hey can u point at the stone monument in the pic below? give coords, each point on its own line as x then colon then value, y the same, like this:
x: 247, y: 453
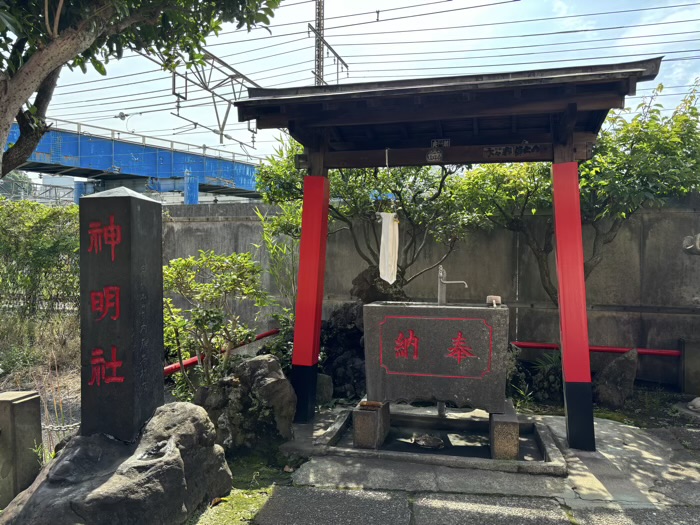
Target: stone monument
x: 121, y: 312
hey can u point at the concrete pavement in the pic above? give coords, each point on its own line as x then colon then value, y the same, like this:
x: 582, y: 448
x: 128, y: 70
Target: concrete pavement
x: 636, y: 477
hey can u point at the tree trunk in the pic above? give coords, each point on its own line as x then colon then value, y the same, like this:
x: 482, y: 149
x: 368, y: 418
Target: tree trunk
x: 31, y: 127
x: 17, y: 90
x: 542, y: 257
x: 4, y: 130
x: 602, y: 238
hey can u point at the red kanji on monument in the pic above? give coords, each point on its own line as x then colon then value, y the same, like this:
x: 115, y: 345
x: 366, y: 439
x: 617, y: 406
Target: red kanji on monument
x: 105, y: 301
x: 105, y: 371
x: 109, y: 234
x: 403, y: 343
x: 460, y: 350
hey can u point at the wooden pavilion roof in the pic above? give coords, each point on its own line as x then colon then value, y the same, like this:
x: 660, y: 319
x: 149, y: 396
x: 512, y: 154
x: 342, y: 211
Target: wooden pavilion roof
x: 502, y: 117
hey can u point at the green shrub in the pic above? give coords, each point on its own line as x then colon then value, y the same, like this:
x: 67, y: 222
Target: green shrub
x: 281, y: 345
x: 39, y: 272
x: 209, y: 288
x: 547, y: 378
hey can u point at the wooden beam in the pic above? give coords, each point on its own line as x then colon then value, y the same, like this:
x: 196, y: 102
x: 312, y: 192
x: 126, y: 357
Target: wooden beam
x: 564, y: 130
x: 454, y: 111
x: 463, y: 138
x: 564, y: 135
x: 452, y: 155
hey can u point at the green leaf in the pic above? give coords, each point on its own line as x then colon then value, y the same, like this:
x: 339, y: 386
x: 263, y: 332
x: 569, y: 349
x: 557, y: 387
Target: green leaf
x: 99, y: 66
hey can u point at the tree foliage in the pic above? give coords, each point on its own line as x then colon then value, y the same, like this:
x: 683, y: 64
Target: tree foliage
x: 39, y: 269
x: 38, y: 37
x: 640, y: 160
x: 422, y: 197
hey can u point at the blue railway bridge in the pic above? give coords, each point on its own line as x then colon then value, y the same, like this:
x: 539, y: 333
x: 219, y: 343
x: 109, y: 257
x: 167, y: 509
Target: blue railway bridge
x: 110, y: 158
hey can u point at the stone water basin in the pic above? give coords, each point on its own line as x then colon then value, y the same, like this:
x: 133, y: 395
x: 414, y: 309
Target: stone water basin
x: 428, y: 352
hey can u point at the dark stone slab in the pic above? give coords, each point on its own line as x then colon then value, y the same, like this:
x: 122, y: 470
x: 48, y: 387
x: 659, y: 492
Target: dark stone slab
x: 426, y: 352
x: 121, y: 312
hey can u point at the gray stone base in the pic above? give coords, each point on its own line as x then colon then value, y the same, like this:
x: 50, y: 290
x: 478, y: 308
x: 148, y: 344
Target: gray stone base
x: 504, y: 433
x: 371, y: 422
x: 20, y: 432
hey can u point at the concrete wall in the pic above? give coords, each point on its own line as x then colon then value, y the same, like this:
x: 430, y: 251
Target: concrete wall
x: 645, y: 292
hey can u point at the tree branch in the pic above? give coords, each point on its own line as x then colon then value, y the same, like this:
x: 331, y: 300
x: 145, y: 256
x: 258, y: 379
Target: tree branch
x: 449, y: 251
x: 445, y: 173
x: 57, y: 17
x: 46, y: 18
x: 542, y: 258
x: 416, y: 252
x: 377, y: 242
x: 601, y: 239
x: 366, y: 226
x: 355, y: 241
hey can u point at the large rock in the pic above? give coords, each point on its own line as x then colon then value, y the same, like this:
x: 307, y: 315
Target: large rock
x: 368, y: 287
x: 341, y: 340
x: 161, y: 479
x: 254, y: 403
x: 615, y: 383
x: 324, y: 389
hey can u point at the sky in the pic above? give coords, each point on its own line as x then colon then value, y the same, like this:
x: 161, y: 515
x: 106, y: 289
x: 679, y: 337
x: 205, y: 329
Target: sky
x: 386, y: 40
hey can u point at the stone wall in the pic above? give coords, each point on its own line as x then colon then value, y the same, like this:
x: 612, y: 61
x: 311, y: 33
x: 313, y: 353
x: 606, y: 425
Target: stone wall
x: 645, y: 293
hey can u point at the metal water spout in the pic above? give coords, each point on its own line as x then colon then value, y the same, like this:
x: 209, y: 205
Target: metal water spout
x: 442, y: 285
x: 442, y: 299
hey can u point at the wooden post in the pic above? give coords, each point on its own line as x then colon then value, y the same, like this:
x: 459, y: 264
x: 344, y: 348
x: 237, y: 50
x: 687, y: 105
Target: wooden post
x: 573, y: 318
x: 312, y: 268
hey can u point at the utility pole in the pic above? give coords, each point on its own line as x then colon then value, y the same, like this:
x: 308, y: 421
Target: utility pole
x: 319, y: 43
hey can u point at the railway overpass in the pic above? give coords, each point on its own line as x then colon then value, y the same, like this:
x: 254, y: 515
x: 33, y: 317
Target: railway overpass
x: 110, y: 158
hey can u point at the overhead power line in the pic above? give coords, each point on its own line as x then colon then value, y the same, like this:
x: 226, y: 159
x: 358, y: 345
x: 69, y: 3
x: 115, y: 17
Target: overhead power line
x: 378, y: 14
x: 470, y: 26
x: 416, y: 73
x: 500, y: 37
x: 531, y: 53
x: 528, y: 46
x: 526, y: 63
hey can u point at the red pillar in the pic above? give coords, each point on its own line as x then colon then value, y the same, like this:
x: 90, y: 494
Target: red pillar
x: 312, y: 268
x: 573, y: 318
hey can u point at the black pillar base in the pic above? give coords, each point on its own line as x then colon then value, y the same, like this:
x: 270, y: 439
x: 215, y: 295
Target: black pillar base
x: 304, y: 383
x: 578, y: 404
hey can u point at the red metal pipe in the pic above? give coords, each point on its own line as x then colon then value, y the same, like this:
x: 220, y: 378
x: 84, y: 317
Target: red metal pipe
x: 604, y: 349
x: 175, y: 367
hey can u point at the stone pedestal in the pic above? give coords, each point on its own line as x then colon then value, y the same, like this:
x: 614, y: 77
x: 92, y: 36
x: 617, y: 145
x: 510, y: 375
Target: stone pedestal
x: 504, y: 433
x: 20, y: 433
x: 371, y: 422
x: 121, y: 312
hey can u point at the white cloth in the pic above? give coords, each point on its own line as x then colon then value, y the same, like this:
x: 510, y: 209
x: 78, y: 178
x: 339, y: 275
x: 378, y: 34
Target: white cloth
x: 389, y: 248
